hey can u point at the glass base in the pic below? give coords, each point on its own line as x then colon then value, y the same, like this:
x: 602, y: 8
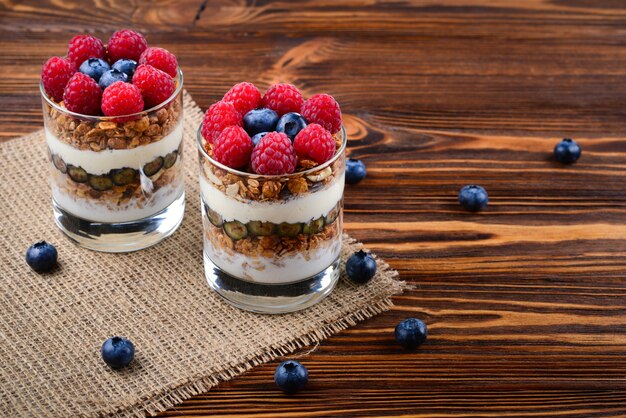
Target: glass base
x: 123, y: 236
x: 272, y: 298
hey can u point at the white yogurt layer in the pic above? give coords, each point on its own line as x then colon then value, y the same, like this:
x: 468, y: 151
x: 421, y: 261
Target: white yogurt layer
x: 104, y: 161
x: 297, y: 209
x: 278, y: 270
x: 94, y: 210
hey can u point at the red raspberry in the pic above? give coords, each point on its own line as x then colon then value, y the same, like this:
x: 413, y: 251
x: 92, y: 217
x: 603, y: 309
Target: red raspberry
x: 121, y: 98
x: 82, y: 95
x: 324, y: 110
x: 161, y: 59
x: 126, y: 43
x: 274, y: 155
x: 314, y: 142
x: 83, y: 47
x: 155, y: 85
x: 218, y: 117
x: 283, y: 98
x: 244, y: 96
x: 54, y: 76
x: 233, y: 147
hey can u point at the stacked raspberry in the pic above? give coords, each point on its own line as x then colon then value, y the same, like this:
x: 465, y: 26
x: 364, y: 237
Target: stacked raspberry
x: 271, y: 134
x: 124, y: 76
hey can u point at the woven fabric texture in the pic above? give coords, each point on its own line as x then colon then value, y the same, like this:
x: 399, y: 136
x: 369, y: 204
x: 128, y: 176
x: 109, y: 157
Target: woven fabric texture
x: 187, y: 339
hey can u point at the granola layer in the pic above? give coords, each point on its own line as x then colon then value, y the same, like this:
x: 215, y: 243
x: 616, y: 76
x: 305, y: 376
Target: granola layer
x: 102, y: 135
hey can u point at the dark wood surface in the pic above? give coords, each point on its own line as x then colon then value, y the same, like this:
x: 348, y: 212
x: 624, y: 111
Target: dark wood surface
x: 526, y: 302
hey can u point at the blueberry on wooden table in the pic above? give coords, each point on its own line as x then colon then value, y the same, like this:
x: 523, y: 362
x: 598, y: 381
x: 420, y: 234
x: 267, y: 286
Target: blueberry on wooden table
x: 473, y: 198
x: 411, y: 333
x: 291, y: 376
x: 355, y: 171
x: 117, y: 352
x: 567, y: 151
x: 41, y: 256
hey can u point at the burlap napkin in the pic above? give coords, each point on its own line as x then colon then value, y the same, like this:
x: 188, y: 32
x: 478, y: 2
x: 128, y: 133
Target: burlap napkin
x: 187, y: 338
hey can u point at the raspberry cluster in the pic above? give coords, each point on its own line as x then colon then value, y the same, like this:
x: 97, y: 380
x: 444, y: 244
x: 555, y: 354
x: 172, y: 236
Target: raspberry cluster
x: 124, y: 76
x: 269, y: 134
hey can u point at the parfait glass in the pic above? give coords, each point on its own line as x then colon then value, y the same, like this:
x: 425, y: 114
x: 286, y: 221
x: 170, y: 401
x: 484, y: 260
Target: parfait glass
x: 117, y: 182
x: 272, y: 244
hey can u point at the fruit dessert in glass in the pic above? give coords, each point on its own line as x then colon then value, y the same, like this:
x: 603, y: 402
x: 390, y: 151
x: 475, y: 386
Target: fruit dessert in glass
x: 113, y: 118
x: 272, y: 172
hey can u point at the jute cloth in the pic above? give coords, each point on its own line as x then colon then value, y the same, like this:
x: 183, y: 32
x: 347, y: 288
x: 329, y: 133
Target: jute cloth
x: 187, y: 339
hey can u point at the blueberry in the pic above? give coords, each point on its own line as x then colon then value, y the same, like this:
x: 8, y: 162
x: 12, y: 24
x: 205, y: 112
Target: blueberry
x: 361, y: 267
x: 111, y: 77
x: 257, y: 138
x: 567, y: 151
x: 473, y: 198
x: 117, y: 352
x: 94, y: 68
x: 260, y: 120
x: 355, y: 171
x: 411, y: 333
x: 41, y: 256
x: 291, y: 376
x: 125, y: 66
x: 291, y: 124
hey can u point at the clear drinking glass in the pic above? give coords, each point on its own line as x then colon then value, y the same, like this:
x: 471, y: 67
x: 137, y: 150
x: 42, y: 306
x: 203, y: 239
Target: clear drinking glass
x: 117, y: 182
x: 272, y: 243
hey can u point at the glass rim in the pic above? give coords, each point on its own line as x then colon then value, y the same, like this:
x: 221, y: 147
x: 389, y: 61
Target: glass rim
x: 170, y: 99
x: 200, y: 145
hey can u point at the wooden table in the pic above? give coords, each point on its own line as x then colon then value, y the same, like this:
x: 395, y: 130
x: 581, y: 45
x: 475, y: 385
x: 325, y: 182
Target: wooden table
x: 525, y: 302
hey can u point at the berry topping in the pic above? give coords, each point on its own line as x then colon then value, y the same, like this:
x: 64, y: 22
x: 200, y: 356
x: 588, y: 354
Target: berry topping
x: 233, y: 147
x: 291, y: 124
x: 316, y: 143
x: 355, y: 171
x: 260, y: 120
x: 155, y: 85
x: 283, y: 98
x: 117, y: 352
x: 361, y: 267
x: 567, y: 151
x: 161, y: 59
x: 411, y: 333
x: 83, y: 47
x: 54, y: 75
x: 82, y: 95
x: 244, y: 96
x: 41, y: 256
x: 219, y: 116
x: 274, y: 155
x: 111, y: 77
x: 121, y: 99
x: 324, y: 110
x: 291, y: 376
x: 473, y: 198
x: 257, y: 138
x: 127, y: 44
x: 125, y: 66
x: 94, y: 68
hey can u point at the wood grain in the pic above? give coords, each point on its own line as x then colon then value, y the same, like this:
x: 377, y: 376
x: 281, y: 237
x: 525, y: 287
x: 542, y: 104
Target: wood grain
x: 525, y: 302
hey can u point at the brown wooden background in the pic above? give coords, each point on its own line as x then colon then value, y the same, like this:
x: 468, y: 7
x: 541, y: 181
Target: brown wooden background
x: 526, y: 302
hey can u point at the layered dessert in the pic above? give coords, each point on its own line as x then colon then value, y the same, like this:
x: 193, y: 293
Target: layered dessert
x: 113, y: 123
x: 271, y: 180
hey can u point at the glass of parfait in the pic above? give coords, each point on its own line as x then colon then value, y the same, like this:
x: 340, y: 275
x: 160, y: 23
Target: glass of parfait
x: 272, y: 243
x: 117, y: 181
